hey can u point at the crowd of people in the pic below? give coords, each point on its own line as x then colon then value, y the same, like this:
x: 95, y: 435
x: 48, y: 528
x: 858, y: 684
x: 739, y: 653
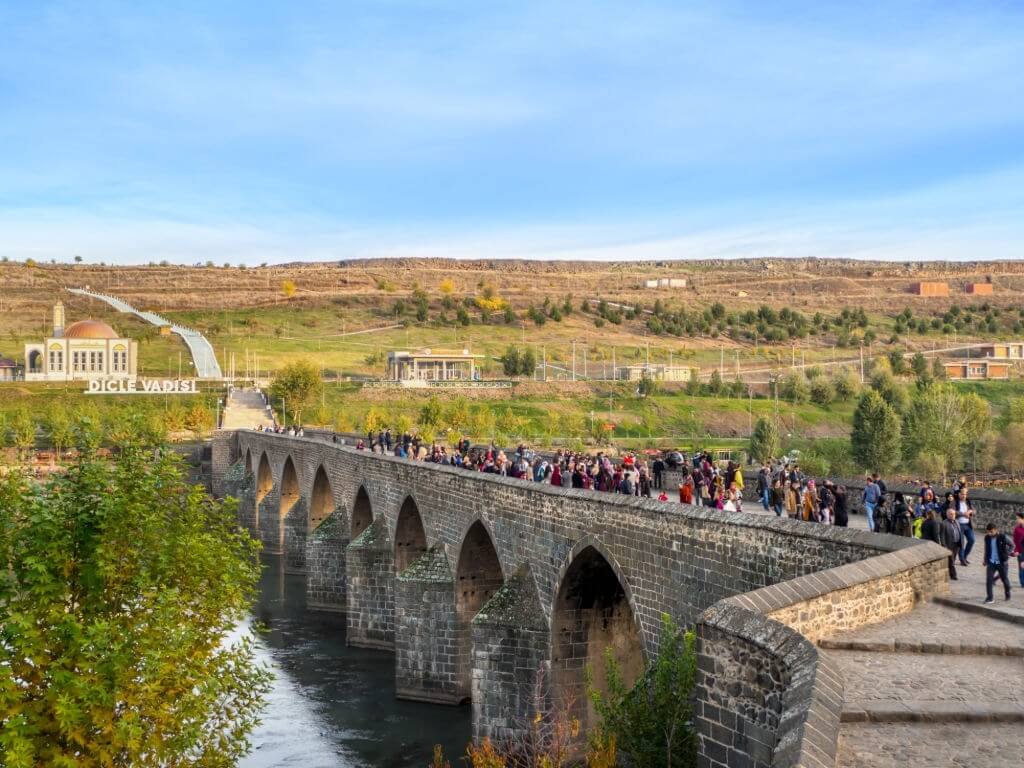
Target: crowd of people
x: 781, y: 488
x: 277, y: 429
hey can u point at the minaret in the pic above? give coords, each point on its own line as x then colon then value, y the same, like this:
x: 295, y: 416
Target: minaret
x: 58, y: 319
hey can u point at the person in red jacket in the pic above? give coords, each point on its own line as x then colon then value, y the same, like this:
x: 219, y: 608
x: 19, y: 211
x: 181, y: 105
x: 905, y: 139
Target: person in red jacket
x: 686, y: 491
x: 1018, y: 546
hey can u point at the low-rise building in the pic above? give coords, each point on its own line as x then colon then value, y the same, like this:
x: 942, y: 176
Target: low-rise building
x: 666, y: 282
x: 979, y: 289
x: 977, y: 370
x: 931, y: 288
x: 9, y: 370
x: 681, y: 373
x: 1003, y: 350
x: 83, y: 351
x: 432, y: 365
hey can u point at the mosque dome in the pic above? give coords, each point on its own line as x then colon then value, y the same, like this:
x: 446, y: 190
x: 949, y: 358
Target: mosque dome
x: 90, y: 329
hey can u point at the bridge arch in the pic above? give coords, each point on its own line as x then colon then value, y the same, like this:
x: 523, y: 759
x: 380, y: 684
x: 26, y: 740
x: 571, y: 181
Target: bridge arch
x: 410, y: 535
x: 593, y: 611
x: 248, y: 462
x: 289, y: 488
x: 362, y: 513
x: 478, y: 575
x: 321, y: 499
x: 264, y: 479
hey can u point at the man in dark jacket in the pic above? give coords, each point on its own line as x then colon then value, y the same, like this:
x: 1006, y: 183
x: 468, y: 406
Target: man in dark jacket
x: 949, y: 534
x: 764, y: 487
x: 659, y: 469
x: 997, y: 554
x: 930, y: 527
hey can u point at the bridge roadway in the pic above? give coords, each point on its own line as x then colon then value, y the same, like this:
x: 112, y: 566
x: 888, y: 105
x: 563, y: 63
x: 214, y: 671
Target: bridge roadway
x: 501, y: 592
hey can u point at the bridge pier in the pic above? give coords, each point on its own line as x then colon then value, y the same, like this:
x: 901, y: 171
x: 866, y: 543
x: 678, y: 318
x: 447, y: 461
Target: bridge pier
x: 325, y: 565
x: 296, y: 532
x: 239, y: 482
x: 509, y: 664
x: 268, y: 517
x: 370, y: 589
x: 426, y: 632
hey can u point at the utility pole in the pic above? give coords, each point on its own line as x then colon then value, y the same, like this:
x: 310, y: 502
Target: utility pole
x: 544, y: 358
x: 585, y: 361
x: 862, y: 364
x: 574, y: 359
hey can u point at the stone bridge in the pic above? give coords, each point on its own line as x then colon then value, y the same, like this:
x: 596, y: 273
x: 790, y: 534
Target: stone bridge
x: 501, y: 592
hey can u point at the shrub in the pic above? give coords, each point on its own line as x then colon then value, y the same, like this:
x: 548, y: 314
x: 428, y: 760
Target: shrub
x: 822, y: 392
x: 651, y: 723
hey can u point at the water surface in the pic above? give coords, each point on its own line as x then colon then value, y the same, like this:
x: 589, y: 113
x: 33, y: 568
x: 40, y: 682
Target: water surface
x: 333, y: 706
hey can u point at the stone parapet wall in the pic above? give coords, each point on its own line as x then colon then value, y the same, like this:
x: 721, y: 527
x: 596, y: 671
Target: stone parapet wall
x: 765, y: 695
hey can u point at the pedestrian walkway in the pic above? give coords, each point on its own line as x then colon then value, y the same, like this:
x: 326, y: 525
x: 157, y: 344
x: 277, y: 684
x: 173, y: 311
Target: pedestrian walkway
x: 934, y: 687
x: 246, y: 409
x: 942, y: 685
x: 203, y: 357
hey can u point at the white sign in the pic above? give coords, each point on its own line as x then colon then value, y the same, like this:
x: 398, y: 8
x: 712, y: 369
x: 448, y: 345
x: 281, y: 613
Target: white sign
x: 143, y: 387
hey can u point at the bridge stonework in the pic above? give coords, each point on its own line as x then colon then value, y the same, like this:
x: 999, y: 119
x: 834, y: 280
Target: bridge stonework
x: 501, y: 591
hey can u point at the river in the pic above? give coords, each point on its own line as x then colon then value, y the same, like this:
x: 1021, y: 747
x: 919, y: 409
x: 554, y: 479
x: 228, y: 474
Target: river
x: 333, y: 706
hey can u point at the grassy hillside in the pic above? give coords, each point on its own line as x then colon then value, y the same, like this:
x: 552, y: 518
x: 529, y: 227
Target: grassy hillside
x: 333, y: 313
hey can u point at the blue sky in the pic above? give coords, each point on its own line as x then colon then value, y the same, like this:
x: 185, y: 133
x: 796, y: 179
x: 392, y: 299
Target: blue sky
x: 253, y: 132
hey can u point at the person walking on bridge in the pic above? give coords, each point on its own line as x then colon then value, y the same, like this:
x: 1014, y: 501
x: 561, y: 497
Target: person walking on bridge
x: 1018, y: 546
x: 872, y: 493
x: 764, y: 487
x: 997, y: 556
x: 950, y: 535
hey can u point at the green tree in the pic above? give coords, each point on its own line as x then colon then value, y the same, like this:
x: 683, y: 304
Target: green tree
x: 298, y: 384
x: 646, y: 386
x: 940, y: 424
x: 845, y: 385
x: 875, y: 437
x: 60, y: 428
x: 430, y: 413
x: 822, y: 392
x: 919, y: 364
x: 21, y: 432
x: 715, y: 385
x: 375, y: 420
x: 794, y: 388
x: 891, y: 390
x: 765, y: 442
x: 651, y: 722
x: 510, y: 361
x: 898, y: 362
x: 198, y: 419
x: 938, y: 370
x: 121, y: 591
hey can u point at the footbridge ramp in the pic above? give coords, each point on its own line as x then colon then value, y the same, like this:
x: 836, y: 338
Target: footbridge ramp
x: 202, y: 352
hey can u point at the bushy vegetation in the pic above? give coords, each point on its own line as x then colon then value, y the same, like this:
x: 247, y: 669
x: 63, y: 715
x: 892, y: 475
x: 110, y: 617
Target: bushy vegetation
x: 646, y: 725
x: 121, y: 587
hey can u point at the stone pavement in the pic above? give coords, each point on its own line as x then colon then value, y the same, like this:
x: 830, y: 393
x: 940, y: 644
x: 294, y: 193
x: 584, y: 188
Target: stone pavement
x: 931, y: 745
x: 246, y: 409
x: 940, y: 686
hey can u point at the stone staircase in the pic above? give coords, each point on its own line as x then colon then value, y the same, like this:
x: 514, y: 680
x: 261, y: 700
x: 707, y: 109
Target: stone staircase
x: 936, y: 687
x: 246, y: 409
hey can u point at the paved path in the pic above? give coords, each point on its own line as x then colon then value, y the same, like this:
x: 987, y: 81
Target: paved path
x: 246, y: 409
x: 942, y: 685
x: 202, y: 351
x: 934, y: 745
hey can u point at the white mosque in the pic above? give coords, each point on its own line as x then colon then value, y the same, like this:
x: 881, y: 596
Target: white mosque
x: 83, y: 351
